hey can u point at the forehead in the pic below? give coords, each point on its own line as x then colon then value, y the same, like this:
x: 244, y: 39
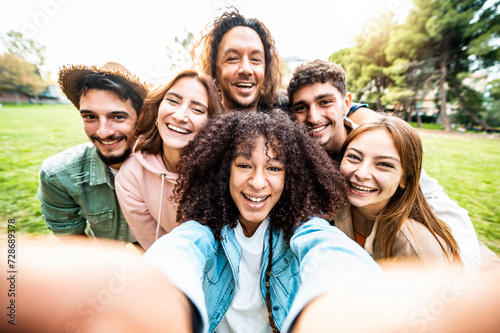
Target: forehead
x: 310, y: 92
x: 189, y: 86
x: 241, y: 39
x: 255, y: 147
x: 377, y: 141
x: 104, y: 101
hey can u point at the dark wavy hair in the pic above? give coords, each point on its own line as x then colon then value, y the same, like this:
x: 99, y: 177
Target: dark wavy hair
x: 146, y: 134
x: 209, y: 43
x: 317, y: 71
x: 112, y: 83
x: 313, y: 183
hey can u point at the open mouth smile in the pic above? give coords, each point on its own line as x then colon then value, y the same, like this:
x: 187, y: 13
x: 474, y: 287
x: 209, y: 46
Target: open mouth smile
x: 362, y: 189
x: 178, y: 129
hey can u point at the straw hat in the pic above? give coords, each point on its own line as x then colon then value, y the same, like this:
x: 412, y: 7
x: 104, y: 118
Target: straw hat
x: 70, y: 75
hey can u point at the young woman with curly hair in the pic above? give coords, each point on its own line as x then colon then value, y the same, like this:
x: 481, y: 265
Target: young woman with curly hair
x: 171, y: 117
x: 253, y: 197
x: 388, y: 214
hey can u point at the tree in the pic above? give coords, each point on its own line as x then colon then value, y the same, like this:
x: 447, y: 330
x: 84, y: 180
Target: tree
x: 24, y: 48
x: 179, y: 53
x: 18, y: 75
x: 366, y: 63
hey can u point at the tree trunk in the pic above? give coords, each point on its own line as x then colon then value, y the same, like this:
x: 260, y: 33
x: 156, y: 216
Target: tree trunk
x: 18, y: 99
x: 442, y: 86
x: 474, y: 116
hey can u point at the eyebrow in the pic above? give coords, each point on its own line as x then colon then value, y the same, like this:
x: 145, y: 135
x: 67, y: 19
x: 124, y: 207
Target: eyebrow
x: 233, y: 50
x: 114, y: 113
x: 242, y: 154
x: 316, y: 98
x: 378, y: 157
x: 179, y: 96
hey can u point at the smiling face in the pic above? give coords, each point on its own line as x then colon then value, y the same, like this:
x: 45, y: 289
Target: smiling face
x: 241, y: 68
x: 256, y: 184
x: 321, y: 107
x: 182, y: 113
x: 109, y: 123
x: 372, y: 167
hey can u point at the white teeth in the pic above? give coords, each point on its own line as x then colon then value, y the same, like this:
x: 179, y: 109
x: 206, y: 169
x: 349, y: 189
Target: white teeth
x: 256, y: 200
x: 362, y: 188
x: 177, y: 129
x: 245, y: 85
x: 109, y: 142
x: 314, y: 130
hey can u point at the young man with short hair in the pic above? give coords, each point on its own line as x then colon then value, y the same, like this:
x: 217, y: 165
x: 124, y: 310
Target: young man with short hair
x: 77, y: 185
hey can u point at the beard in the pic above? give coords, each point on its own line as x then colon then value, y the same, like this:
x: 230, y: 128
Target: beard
x: 112, y: 160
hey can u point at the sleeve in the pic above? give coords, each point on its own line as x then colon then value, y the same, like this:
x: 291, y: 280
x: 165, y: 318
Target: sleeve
x: 181, y: 256
x: 327, y: 258
x: 135, y: 211
x: 457, y: 219
x: 59, y: 208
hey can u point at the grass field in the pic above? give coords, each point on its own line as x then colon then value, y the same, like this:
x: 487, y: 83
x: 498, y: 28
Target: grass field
x: 467, y: 166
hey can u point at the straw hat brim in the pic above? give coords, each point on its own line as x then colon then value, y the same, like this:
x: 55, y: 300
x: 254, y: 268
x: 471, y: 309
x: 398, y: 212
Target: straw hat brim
x: 69, y: 76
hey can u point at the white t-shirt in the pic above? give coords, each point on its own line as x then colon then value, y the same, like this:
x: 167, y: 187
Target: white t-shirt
x: 248, y: 312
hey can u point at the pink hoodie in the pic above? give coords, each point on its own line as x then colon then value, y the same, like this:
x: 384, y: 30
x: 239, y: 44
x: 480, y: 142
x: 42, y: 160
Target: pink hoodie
x: 144, y: 187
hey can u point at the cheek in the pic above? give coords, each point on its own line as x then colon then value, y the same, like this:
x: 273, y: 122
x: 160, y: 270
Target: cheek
x: 200, y: 123
x: 345, y: 168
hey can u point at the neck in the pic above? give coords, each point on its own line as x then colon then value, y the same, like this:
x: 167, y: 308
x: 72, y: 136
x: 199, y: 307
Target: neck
x: 362, y: 221
x: 170, y: 158
x: 333, y: 147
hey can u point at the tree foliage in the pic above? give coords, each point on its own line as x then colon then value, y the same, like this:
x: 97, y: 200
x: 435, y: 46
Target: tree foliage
x: 18, y: 75
x: 440, y: 44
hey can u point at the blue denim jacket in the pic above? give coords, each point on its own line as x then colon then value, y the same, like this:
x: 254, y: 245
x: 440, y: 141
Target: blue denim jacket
x: 207, y: 270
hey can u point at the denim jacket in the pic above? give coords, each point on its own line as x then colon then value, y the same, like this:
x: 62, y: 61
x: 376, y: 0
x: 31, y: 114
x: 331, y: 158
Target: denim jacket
x: 77, y: 195
x: 206, y: 269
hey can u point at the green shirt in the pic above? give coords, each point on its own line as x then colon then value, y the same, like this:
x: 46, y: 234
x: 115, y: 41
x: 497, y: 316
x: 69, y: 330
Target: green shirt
x: 77, y: 195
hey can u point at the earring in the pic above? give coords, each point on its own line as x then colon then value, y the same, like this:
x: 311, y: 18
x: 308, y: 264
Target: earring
x: 156, y: 123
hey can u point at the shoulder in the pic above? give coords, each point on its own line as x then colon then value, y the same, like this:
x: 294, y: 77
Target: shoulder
x: 363, y: 114
x: 69, y: 158
x: 415, y: 239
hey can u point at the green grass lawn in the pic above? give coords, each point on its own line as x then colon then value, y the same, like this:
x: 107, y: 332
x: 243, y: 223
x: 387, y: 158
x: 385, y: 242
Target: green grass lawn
x: 467, y: 166
x: 29, y: 135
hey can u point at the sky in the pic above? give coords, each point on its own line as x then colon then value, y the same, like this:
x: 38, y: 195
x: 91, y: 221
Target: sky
x: 137, y: 33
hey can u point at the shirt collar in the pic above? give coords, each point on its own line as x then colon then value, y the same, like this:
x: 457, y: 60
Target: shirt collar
x: 99, y: 172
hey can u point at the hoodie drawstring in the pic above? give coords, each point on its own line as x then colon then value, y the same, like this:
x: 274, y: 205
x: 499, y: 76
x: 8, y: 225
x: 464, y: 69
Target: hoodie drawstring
x: 161, y: 204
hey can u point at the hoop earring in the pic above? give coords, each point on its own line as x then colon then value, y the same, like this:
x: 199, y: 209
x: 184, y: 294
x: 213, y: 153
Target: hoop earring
x: 156, y: 123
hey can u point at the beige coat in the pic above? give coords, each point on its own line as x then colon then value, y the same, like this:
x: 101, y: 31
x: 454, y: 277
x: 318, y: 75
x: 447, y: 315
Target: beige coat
x: 414, y: 240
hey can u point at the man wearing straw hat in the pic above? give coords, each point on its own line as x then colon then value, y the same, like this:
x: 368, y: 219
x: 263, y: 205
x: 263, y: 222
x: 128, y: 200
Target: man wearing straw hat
x: 77, y: 185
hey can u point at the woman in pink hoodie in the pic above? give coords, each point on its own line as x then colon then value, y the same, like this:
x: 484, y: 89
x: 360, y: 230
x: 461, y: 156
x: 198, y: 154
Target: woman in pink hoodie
x: 171, y: 117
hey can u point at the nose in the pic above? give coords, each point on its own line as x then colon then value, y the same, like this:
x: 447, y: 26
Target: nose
x: 180, y: 114
x: 245, y: 66
x: 313, y: 116
x: 363, y: 171
x: 105, y: 129
x: 258, y: 180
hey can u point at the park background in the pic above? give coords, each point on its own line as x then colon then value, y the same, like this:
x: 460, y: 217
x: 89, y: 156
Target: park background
x: 428, y: 61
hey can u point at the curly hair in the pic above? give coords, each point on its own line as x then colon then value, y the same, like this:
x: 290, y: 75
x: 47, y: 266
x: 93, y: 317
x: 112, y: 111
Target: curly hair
x: 146, y: 134
x: 209, y: 43
x: 410, y: 201
x: 317, y: 71
x: 313, y: 183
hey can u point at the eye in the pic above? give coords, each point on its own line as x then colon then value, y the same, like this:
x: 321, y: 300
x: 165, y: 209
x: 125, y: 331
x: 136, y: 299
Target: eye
x: 326, y: 102
x: 198, y: 111
x: 299, y: 109
x: 386, y: 165
x: 352, y: 157
x: 243, y: 166
x: 88, y: 117
x: 173, y: 101
x: 119, y: 117
x: 274, y: 168
x: 256, y: 60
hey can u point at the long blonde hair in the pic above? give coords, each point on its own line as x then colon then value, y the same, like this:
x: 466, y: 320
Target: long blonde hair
x: 410, y: 201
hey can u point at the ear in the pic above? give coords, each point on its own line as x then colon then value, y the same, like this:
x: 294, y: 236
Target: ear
x: 347, y: 102
x: 402, y: 184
